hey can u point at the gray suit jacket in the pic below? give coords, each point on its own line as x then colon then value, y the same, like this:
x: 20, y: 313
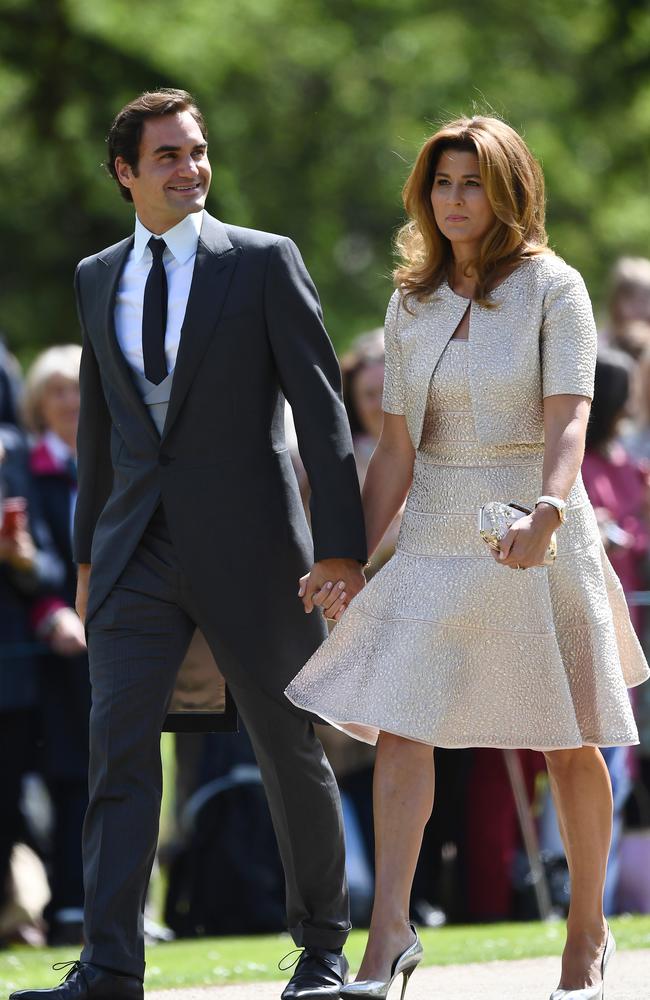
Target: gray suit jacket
x: 253, y: 334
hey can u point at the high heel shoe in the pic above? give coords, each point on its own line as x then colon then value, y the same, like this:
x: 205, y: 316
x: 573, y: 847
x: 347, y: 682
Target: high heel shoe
x: 591, y: 992
x: 404, y: 965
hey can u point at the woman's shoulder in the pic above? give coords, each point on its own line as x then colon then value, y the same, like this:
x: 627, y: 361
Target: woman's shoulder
x: 404, y: 306
x: 548, y: 272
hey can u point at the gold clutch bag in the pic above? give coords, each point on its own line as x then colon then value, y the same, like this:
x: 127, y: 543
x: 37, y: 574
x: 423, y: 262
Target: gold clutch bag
x: 495, y: 520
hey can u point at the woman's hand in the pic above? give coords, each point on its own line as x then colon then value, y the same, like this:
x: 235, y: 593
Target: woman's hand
x: 331, y: 598
x: 318, y: 589
x: 526, y: 543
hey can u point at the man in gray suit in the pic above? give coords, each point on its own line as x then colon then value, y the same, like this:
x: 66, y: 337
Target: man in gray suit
x: 188, y: 515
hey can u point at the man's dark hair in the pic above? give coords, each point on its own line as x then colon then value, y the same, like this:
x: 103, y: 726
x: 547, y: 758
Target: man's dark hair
x: 125, y: 133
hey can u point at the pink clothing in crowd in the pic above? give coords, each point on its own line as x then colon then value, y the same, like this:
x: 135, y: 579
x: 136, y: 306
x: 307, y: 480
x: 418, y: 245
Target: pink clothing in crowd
x: 618, y: 484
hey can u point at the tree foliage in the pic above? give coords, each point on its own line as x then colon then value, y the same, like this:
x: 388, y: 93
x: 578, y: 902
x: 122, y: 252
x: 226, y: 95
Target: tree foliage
x: 316, y: 109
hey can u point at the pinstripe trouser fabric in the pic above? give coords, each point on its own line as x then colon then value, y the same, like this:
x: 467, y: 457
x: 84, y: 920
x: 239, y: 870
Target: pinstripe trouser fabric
x: 137, y: 640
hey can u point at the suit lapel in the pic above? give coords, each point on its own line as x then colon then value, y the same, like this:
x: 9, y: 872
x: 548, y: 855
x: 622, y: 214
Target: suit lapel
x: 113, y: 261
x: 428, y: 348
x: 215, y: 263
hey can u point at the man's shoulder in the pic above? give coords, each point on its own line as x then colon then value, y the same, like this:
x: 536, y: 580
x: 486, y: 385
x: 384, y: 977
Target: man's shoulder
x: 253, y: 239
x: 104, y: 256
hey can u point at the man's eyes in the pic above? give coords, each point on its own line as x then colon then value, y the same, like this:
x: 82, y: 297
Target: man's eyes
x: 197, y: 154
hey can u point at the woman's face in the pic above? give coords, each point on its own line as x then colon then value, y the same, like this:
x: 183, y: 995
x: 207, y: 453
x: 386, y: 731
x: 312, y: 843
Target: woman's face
x: 60, y: 406
x: 460, y: 205
x: 632, y: 305
x: 367, y: 391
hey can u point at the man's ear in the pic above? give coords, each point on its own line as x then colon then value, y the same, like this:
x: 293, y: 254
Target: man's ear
x: 124, y: 172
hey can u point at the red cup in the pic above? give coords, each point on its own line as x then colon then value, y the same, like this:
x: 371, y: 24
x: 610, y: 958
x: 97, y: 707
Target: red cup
x: 13, y: 511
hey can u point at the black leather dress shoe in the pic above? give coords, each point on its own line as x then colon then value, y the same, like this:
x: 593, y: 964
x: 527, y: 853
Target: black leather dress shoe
x: 319, y: 974
x: 88, y: 982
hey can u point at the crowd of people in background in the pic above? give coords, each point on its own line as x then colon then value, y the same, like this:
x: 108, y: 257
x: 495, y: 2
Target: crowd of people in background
x: 472, y: 866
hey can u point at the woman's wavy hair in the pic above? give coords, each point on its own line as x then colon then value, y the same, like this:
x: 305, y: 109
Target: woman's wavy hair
x: 514, y: 185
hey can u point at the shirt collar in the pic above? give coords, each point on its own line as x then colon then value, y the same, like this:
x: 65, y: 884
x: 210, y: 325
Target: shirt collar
x: 57, y: 447
x: 181, y: 239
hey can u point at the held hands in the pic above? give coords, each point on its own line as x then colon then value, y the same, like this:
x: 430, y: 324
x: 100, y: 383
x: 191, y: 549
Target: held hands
x: 331, y: 585
x: 526, y: 543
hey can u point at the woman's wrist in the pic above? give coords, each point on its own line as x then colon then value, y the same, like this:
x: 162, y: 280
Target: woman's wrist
x: 555, y: 503
x: 546, y: 518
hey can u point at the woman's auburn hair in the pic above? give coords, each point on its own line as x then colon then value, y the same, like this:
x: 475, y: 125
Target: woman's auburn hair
x: 514, y: 184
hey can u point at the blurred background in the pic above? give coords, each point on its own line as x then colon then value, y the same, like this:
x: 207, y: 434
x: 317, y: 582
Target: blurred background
x: 316, y: 108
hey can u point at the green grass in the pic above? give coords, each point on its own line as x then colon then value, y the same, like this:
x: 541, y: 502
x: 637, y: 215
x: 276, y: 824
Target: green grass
x: 215, y: 961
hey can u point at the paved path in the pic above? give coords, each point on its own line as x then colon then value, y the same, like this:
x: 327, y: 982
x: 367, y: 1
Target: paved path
x: 531, y: 979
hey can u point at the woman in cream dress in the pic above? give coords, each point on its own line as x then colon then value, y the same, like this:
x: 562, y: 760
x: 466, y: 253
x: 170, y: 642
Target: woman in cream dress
x: 490, y: 354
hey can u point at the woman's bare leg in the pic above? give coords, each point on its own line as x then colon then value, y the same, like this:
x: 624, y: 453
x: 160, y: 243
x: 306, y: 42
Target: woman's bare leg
x: 583, y: 799
x: 403, y: 800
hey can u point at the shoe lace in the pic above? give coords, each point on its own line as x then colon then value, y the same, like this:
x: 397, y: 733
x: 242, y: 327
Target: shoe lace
x: 298, y: 952
x: 72, y: 966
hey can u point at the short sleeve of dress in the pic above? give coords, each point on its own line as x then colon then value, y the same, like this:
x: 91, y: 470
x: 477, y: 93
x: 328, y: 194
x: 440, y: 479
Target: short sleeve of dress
x: 393, y: 382
x: 568, y: 338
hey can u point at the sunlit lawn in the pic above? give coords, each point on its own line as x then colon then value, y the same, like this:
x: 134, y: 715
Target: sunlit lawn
x: 231, y: 960
x: 213, y: 961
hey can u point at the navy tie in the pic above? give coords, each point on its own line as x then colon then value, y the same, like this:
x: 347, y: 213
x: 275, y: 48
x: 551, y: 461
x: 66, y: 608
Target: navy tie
x: 154, y: 315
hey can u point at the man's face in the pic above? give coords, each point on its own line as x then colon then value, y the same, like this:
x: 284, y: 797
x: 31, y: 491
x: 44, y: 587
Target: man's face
x: 173, y: 174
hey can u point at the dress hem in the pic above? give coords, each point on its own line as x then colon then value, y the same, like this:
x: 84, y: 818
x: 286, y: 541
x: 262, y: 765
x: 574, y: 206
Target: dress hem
x: 448, y: 745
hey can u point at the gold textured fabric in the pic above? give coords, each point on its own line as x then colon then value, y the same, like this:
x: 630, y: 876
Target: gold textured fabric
x: 536, y: 338
x: 444, y: 645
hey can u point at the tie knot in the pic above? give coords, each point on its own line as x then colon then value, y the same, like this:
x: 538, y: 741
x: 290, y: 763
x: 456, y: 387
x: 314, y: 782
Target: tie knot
x: 157, y: 247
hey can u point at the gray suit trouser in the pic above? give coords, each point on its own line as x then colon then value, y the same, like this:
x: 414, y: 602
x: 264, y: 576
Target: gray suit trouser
x: 136, y: 642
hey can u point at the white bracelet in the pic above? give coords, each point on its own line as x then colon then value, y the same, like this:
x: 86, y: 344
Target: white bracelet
x: 556, y: 502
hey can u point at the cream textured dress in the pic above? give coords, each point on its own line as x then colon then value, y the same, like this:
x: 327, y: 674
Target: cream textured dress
x: 445, y: 646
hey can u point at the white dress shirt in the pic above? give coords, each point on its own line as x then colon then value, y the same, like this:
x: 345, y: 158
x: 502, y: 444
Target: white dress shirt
x: 178, y: 261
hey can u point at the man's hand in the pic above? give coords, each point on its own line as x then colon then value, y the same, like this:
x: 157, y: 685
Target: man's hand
x: 66, y: 636
x: 331, y: 585
x: 83, y: 579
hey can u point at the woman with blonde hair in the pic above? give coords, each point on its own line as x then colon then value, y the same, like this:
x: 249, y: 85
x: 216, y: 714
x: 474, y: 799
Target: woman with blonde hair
x: 51, y: 411
x: 490, y: 353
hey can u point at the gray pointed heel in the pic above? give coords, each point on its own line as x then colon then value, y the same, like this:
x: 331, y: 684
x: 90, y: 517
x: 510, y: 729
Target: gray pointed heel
x: 404, y: 965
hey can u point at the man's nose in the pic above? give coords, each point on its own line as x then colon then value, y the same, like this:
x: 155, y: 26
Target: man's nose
x: 189, y: 167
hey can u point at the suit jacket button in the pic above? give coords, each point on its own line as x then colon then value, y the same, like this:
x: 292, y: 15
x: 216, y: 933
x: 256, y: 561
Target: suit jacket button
x: 164, y: 459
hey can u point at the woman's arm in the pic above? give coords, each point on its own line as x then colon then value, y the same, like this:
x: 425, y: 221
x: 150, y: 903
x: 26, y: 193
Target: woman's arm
x: 388, y: 479
x: 565, y: 429
x: 387, y: 482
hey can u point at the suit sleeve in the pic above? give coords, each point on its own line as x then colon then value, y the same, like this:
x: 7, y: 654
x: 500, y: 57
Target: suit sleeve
x: 311, y: 381
x: 95, y: 469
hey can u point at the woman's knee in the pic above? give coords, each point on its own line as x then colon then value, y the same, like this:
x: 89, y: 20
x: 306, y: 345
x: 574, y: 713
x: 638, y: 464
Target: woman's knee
x: 561, y: 762
x: 399, y: 746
